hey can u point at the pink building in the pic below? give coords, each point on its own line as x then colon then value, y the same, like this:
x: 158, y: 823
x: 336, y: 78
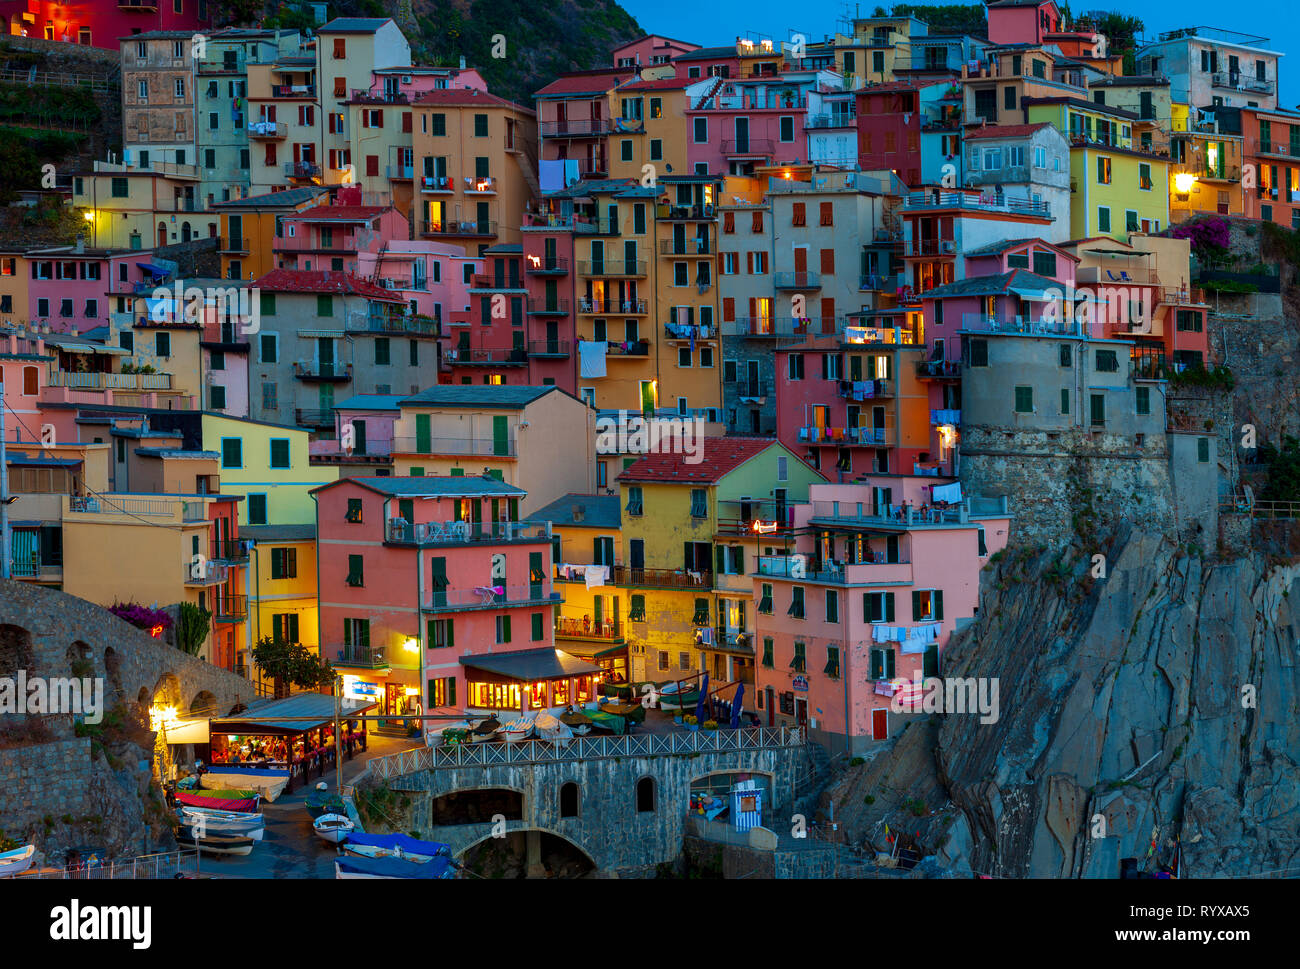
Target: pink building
x: 77, y: 288
x: 332, y: 237
x: 573, y: 118
x: 100, y: 23
x: 371, y: 417
x: 493, y: 347
x: 427, y: 577
x: 24, y: 368
x: 548, y: 246
x: 868, y: 596
x: 740, y: 124
x: 433, y: 277
x: 1022, y: 21
x: 650, y: 50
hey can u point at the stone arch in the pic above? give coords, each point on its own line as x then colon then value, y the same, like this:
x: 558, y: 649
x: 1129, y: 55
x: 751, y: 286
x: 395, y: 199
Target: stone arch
x: 461, y: 853
x: 204, y: 704
x: 15, y: 650
x: 143, y: 696
x: 167, y: 691
x: 81, y: 659
x: 646, y: 795
x: 113, y: 667
x: 477, y: 805
x: 570, y: 800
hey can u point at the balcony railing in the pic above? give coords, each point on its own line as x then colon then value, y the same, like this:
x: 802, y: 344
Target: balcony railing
x: 437, y: 183
x: 639, y: 348
x: 1020, y: 324
x: 833, y: 436
x: 401, y: 532
x: 548, y: 348
x: 478, y: 446
x: 229, y: 609
x: 110, y: 381
x: 301, y: 169
x: 752, y: 388
x: 764, y: 327
x: 293, y: 90
x: 238, y: 244
x: 360, y: 657
x: 470, y: 357
x: 576, y: 128
x: 268, y: 130
x: 1242, y: 82
x: 480, y: 185
x: 545, y: 307
x: 453, y: 227
x: 752, y: 527
x: 232, y: 551
x: 607, y: 630
x: 937, y: 369
x: 545, y: 267
x: 400, y: 173
x: 315, y: 370
x: 490, y: 597
x: 833, y: 120
x: 750, y: 146
x: 804, y: 280
x: 307, y: 417
x: 408, y: 323
x: 859, y: 513
x: 628, y: 307
x: 613, y: 267
x: 662, y: 578
x: 207, y: 573
x: 686, y: 247
x: 491, y: 281
x: 969, y: 200
x: 945, y: 416
x: 865, y: 389
x: 930, y: 247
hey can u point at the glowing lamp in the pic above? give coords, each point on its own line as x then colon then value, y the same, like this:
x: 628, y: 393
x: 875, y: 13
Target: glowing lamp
x: 88, y: 216
x: 412, y: 645
x: 1183, y: 182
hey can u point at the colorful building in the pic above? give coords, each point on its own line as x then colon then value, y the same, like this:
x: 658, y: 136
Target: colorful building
x: 268, y: 465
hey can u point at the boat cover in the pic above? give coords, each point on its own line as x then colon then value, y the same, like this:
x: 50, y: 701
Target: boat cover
x: 439, y: 867
x: 411, y: 846
x: 210, y: 799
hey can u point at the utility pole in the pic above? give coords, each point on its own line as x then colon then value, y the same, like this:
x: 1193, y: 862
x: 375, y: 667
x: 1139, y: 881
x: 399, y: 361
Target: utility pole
x: 5, y: 550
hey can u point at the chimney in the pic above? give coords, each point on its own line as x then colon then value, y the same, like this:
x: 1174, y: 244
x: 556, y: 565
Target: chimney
x: 81, y: 243
x: 579, y: 513
x: 462, y: 62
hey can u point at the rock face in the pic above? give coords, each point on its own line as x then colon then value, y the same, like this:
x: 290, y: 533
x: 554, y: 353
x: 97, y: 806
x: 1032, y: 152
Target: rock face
x: 1160, y: 701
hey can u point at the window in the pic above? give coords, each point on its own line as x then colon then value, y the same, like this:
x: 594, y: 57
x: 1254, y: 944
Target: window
x: 927, y: 605
x: 1065, y: 402
x: 635, y: 503
x: 796, y: 609
x: 1143, y: 400
x: 765, y: 601
x: 257, y: 509
x: 1066, y: 355
x: 979, y: 353
x: 162, y: 344
x: 882, y: 664
x: 1024, y: 400
x: 356, y: 571
x: 480, y: 126
x: 1103, y: 219
x: 799, y: 662
x: 827, y: 210
x: 441, y: 633
x: 232, y: 452
x: 217, y: 397
x: 1144, y: 177
x: 569, y: 800
x: 769, y: 660
x: 1098, y: 411
x: 279, y: 452
x: 625, y: 149
x: 832, y: 606
x: 324, y: 305
x: 1203, y: 450
x: 1130, y: 220
x: 832, y: 668
x: 699, y: 505
x: 1189, y: 321
x: 442, y: 691
x: 1103, y: 171
x: 1044, y: 262
x: 284, y: 563
x: 636, y: 609
x: 382, y: 358
x: 537, y: 630
x: 701, y: 130
x: 354, y: 511
x: 878, y: 606
x: 645, y: 794
x: 503, y: 629
x: 1107, y: 361
x: 794, y: 366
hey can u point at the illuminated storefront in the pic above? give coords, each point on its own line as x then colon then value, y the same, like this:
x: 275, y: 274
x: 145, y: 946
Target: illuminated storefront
x: 529, y: 680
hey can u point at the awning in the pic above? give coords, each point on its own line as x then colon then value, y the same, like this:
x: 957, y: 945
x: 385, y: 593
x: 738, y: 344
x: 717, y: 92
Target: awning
x: 188, y: 732
x: 593, y: 650
x: 314, y: 709
x: 153, y: 270
x: 528, y: 665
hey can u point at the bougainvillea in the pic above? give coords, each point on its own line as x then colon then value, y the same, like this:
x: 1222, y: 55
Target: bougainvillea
x: 152, y: 621
x: 1209, y: 237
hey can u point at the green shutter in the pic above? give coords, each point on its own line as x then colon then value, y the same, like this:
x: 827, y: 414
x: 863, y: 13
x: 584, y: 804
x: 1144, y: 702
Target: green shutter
x: 537, y: 627
x: 889, y: 664
x: 889, y: 607
x: 938, y: 603
x: 423, y: 434
x: 433, y: 693
x: 916, y: 606
x: 505, y: 629
x: 451, y: 631
x: 451, y: 691
x: 500, y: 435
x: 429, y: 638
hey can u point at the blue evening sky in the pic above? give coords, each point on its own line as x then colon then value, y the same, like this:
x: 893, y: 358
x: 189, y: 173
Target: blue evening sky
x: 716, y: 22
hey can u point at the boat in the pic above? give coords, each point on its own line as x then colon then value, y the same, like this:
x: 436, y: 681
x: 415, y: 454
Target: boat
x: 353, y: 867
x: 518, y: 729
x: 217, y: 844
x: 489, y: 729
x: 579, y: 723
x: 333, y: 827
x: 552, y: 728
x: 401, y: 846
x: 17, y: 861
x: 211, y: 821
x: 678, y: 695
x: 324, y: 802
x: 245, y: 802
x: 267, y: 782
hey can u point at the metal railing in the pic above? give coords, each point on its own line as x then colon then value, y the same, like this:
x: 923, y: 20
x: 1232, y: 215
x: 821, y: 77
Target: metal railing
x: 490, y: 597
x: 677, y: 743
x: 1019, y: 324
x: 969, y: 200
x: 857, y: 389
x: 803, y: 280
x: 752, y: 388
x: 110, y: 381
x: 229, y: 609
x: 234, y: 244
x: 1254, y: 508
x: 293, y: 90
x: 363, y: 657
x: 548, y: 348
x: 232, y: 550
x: 276, y: 130
x: 301, y: 169
x: 548, y: 307
x: 484, y: 356
x: 748, y: 146
x: 588, y: 628
x: 869, y: 436
x: 167, y: 864
x: 478, y: 446
x: 575, y: 128
x: 315, y: 370
x: 209, y: 573
x: 437, y: 183
x: 635, y: 307
x: 401, y: 532
x: 686, y: 247
x: 308, y: 417
x: 663, y: 578
x: 542, y: 267
x: 453, y: 227
x: 411, y: 323
x: 832, y: 120
x: 480, y: 184
x: 613, y: 267
x: 403, y: 173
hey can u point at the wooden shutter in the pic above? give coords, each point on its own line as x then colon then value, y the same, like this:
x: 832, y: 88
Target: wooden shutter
x: 889, y: 607
x: 916, y: 606
x: 938, y: 603
x: 728, y: 309
x: 828, y: 262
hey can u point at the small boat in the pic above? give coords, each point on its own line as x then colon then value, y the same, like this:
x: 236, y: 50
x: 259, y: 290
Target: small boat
x: 17, y: 861
x: 353, y: 867
x: 374, y: 851
x: 210, y: 821
x: 333, y: 827
x: 401, y: 846
x: 518, y: 729
x: 245, y: 802
x: 489, y: 729
x: 267, y: 782
x: 579, y: 723
x: 324, y: 802
x: 218, y: 844
x: 551, y: 728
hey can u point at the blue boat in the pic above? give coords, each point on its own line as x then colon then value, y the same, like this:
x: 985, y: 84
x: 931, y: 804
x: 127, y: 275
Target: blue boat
x: 352, y: 867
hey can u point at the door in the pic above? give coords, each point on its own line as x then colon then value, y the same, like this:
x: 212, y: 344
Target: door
x: 636, y: 554
x: 500, y: 435
x: 801, y: 711
x: 438, y: 581
x: 482, y: 219
x: 800, y: 265
x: 879, y: 724
x: 742, y: 134
x: 769, y: 697
x: 358, y: 437
x: 325, y: 355
x: 423, y: 434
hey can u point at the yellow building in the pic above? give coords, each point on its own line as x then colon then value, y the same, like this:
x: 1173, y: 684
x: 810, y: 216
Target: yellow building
x: 268, y: 465
x: 649, y: 128
x: 876, y: 47
x: 475, y: 157
x: 587, y: 537
x: 141, y: 208
x: 14, y: 273
x: 683, y: 565
x: 1205, y: 168
x: 250, y: 226
x: 283, y: 602
x: 1115, y: 188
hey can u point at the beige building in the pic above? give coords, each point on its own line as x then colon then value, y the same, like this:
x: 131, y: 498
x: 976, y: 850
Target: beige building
x: 158, y: 97
x: 141, y: 207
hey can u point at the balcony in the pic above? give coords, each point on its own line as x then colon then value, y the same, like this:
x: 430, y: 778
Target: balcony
x: 489, y: 598
x: 493, y: 357
x: 321, y: 371
x: 769, y: 328
x: 982, y: 323
x: 640, y: 348
x: 893, y: 517
x: 399, y: 173
x: 938, y: 370
x: 746, y: 148
x: 662, y: 578
x: 230, y: 609
x: 361, y: 657
x: 480, y: 185
x: 608, y: 630
x: 936, y: 199
x: 293, y: 91
x: 438, y: 184
x: 110, y: 381
x: 268, y: 131
x: 846, y: 436
x: 686, y: 247
x: 833, y: 120
x: 401, y: 532
x: 575, y: 128
x: 945, y: 416
x: 235, y: 244
x: 613, y: 267
x: 543, y: 307
x: 861, y: 390
x: 406, y: 324
x: 930, y: 247
x: 496, y: 284
x: 752, y: 527
x: 230, y: 551
x: 554, y: 349
x: 537, y: 266
x: 301, y: 169
x: 752, y: 389
x: 143, y: 6
x: 1010, y: 175
x: 1241, y: 82
x: 600, y: 307
x: 689, y: 331
x: 684, y: 213
x: 206, y: 574
x: 305, y: 417
x: 798, y: 281
x: 459, y: 446
x: 451, y: 228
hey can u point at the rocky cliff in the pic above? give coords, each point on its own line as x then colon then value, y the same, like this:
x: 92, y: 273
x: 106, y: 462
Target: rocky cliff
x: 1159, y: 702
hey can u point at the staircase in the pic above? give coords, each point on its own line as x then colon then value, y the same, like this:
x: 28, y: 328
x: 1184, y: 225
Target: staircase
x: 529, y: 169
x: 814, y: 775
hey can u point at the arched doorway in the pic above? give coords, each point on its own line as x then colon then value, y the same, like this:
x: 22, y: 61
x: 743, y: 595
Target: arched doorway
x: 186, y: 235
x: 162, y: 233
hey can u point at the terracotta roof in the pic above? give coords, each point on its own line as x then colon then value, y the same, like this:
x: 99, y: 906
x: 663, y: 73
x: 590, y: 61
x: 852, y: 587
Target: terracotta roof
x: 1004, y: 130
x: 664, y: 84
x: 341, y: 213
x: 322, y: 281
x: 721, y: 455
x: 467, y: 97
x: 593, y: 82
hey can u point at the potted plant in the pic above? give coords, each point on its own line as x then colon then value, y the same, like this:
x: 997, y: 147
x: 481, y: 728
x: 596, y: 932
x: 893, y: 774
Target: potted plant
x: 710, y: 725
x: 692, y: 722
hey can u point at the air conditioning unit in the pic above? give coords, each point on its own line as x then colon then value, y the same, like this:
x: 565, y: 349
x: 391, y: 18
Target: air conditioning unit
x: 406, y: 78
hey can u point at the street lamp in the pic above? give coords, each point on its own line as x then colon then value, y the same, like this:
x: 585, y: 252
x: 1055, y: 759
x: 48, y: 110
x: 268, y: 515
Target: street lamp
x: 1183, y: 182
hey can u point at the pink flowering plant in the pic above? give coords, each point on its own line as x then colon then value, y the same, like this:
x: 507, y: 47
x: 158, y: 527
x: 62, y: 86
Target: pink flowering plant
x: 140, y: 616
x: 1210, y: 238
